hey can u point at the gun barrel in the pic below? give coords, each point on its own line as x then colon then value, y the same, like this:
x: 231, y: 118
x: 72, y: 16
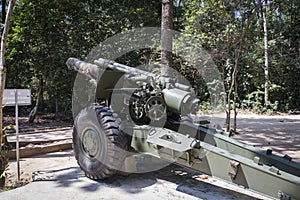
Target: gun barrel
x: 123, y: 68
x: 140, y: 74
x: 92, y: 71
x: 86, y: 68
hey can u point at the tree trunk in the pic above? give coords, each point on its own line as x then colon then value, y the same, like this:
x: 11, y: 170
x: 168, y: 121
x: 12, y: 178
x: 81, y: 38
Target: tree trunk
x: 228, y: 114
x: 235, y: 94
x: 295, y: 21
x: 266, y: 68
x: 3, y: 11
x: 3, y: 166
x: 234, y: 86
x: 3, y: 157
x: 166, y: 36
x: 2, y: 62
x: 34, y: 111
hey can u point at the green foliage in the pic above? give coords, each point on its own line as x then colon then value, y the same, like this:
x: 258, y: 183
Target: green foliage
x: 218, y: 25
x: 3, y: 164
x: 45, y: 33
x: 9, y: 127
x: 254, y: 101
x: 3, y: 175
x: 205, y: 106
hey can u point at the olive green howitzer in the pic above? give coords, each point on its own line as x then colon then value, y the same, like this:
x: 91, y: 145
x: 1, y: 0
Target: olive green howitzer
x: 131, y: 112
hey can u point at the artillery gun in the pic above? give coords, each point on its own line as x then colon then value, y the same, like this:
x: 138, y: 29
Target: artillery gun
x: 141, y: 112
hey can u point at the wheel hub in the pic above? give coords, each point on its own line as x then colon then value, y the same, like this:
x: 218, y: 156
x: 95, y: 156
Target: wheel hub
x: 91, y: 142
x: 156, y: 108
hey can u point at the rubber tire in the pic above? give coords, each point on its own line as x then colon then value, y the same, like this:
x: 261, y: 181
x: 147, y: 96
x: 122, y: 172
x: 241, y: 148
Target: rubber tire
x: 111, y: 151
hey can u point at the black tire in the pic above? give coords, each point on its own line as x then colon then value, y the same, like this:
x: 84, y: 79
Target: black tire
x: 99, y: 145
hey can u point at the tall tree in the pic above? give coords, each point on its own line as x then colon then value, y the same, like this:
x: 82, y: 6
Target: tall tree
x: 266, y: 67
x: 3, y: 11
x: 2, y: 60
x: 224, y: 30
x: 3, y: 161
x: 166, y: 36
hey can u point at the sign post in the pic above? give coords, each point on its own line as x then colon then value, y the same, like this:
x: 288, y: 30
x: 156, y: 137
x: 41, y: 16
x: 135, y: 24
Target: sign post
x: 17, y: 135
x: 16, y: 97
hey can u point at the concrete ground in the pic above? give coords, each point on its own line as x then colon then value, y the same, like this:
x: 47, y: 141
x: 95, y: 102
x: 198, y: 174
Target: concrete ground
x: 57, y: 175
x: 281, y: 133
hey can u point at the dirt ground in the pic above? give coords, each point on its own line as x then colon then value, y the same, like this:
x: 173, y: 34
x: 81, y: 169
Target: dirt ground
x: 279, y: 133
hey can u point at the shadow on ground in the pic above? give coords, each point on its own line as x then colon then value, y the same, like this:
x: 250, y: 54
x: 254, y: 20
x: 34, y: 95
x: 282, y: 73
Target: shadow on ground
x: 280, y: 134
x: 170, y: 178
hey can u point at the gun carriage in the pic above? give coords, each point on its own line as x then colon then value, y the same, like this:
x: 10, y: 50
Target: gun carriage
x: 143, y: 112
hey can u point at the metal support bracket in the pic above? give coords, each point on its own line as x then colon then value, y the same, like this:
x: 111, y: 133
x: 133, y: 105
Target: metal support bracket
x: 233, y: 169
x: 171, y: 139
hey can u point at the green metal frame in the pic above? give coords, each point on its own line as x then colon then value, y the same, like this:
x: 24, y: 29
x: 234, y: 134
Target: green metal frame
x: 222, y: 157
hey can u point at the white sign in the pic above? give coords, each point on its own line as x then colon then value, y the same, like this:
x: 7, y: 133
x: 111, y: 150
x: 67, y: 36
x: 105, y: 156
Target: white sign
x: 17, y: 97
x: 23, y: 95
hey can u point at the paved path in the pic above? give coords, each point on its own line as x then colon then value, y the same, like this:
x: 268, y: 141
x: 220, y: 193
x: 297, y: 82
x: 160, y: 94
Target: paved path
x: 279, y: 133
x: 54, y: 135
x: 57, y: 175
x: 60, y: 178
